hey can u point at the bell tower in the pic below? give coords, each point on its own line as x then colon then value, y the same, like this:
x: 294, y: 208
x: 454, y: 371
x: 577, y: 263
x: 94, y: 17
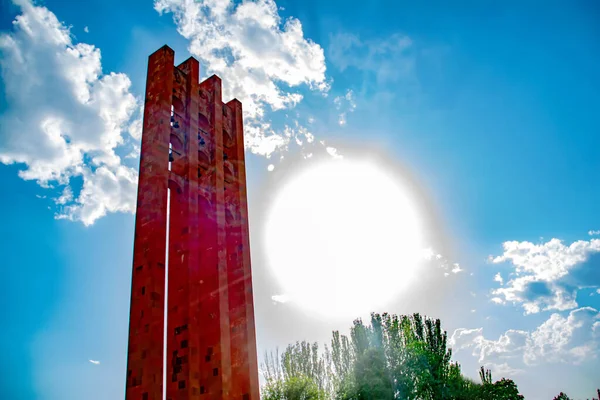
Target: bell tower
x: 191, y: 234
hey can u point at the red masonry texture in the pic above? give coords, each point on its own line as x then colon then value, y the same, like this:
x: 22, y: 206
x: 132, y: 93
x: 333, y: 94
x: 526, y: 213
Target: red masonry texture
x: 192, y: 148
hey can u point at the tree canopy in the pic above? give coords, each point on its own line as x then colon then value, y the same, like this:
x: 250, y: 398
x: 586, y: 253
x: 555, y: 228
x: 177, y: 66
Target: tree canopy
x: 395, y: 357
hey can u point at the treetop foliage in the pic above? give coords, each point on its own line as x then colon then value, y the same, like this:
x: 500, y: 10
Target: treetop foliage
x: 395, y: 357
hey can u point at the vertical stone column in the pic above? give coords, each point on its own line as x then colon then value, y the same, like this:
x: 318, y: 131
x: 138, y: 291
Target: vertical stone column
x: 192, y: 68
x: 213, y: 86
x: 243, y: 341
x: 146, y: 323
x: 182, y: 327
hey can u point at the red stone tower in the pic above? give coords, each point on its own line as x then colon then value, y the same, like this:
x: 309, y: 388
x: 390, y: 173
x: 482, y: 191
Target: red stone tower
x: 191, y: 199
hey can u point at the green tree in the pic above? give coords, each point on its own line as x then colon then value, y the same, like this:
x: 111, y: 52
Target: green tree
x: 486, y: 376
x: 562, y: 396
x: 293, y: 388
x: 419, y: 357
x: 303, y: 359
x: 298, y: 374
x: 504, y: 389
x: 395, y: 357
x: 460, y: 387
x: 368, y: 378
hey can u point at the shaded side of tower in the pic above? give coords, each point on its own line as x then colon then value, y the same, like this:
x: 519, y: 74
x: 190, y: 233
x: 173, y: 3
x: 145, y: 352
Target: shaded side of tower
x: 191, y: 195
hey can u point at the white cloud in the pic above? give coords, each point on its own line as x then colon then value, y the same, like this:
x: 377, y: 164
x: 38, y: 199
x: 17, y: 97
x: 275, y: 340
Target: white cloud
x: 498, y: 278
x: 456, y: 269
x: 86, y: 29
x: 428, y: 254
x: 280, y: 298
x: 511, y: 343
x: 334, y: 153
x: 261, y: 139
x: 135, y: 152
x: 79, y: 119
x: 387, y: 59
x: 345, y: 103
x: 594, y: 233
x: 94, y: 362
x: 105, y: 190
x: 350, y: 99
x: 559, y: 339
x: 503, y: 370
x: 270, y: 168
x: 546, y: 274
x: 64, y: 117
x: 135, y: 127
x: 261, y: 59
x: 550, y: 260
x: 66, y: 196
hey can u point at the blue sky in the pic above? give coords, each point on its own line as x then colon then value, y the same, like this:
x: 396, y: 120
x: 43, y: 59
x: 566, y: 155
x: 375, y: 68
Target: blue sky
x: 489, y: 106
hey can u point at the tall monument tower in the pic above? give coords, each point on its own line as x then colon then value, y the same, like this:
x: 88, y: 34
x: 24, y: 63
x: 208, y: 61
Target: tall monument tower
x: 191, y: 230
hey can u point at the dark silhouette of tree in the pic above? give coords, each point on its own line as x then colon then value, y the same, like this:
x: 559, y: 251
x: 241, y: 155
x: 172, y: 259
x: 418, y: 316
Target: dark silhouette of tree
x: 504, y: 389
x: 562, y: 396
x: 486, y: 376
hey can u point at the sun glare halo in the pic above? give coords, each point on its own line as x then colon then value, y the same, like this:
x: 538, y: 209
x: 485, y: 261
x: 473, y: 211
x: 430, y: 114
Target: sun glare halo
x: 344, y: 237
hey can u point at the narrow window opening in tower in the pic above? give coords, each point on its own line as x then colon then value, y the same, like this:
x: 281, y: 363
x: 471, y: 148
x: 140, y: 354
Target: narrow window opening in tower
x: 166, y: 297
x: 170, y: 164
x: 174, y: 115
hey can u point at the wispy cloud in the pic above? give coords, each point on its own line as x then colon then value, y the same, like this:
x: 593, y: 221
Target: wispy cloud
x: 346, y: 104
x: 594, y: 233
x: 95, y: 362
x: 387, y: 59
x: 430, y: 254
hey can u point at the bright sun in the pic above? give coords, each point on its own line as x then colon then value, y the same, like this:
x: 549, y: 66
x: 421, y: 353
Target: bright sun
x: 343, y: 238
